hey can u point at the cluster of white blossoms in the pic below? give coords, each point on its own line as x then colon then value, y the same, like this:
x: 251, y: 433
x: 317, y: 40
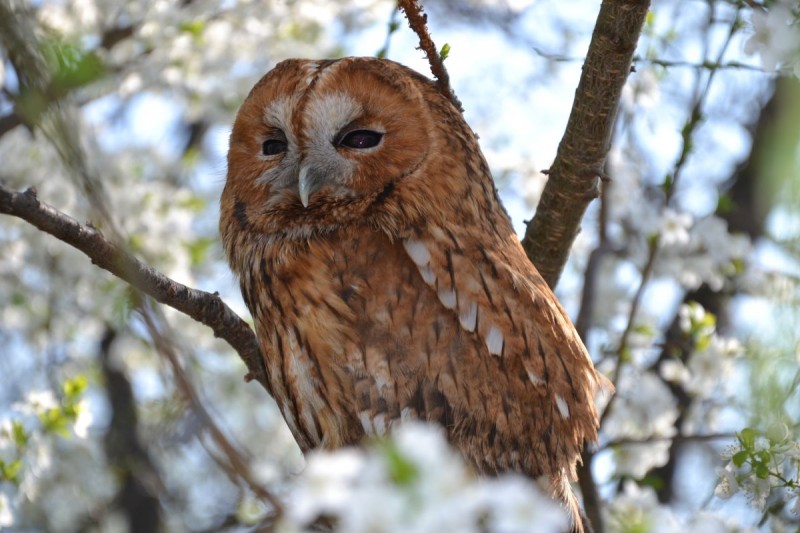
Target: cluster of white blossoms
x: 712, y: 362
x: 776, y: 37
x: 413, y: 482
x: 43, y: 440
x: 637, y: 509
x: 761, y: 465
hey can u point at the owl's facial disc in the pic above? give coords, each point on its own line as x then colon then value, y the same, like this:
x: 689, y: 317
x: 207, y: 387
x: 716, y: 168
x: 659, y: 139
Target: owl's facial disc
x: 319, y: 143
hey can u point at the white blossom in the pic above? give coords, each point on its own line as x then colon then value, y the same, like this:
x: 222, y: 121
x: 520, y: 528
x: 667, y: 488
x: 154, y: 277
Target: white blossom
x: 776, y: 37
x: 727, y: 485
x: 326, y: 485
x: 83, y: 420
x: 434, y: 492
x: 709, y: 368
x: 644, y: 408
x: 794, y: 508
x: 516, y: 508
x: 36, y: 402
x: 637, y: 509
x: 674, y: 227
x: 6, y: 516
x: 758, y: 490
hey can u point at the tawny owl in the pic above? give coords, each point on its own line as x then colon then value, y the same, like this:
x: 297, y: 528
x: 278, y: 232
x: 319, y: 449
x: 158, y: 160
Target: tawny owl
x: 385, y: 279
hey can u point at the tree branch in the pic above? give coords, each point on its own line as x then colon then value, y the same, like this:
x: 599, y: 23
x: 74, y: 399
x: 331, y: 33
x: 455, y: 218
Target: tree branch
x: 417, y: 21
x: 202, y: 306
x: 235, y: 463
x: 573, y: 177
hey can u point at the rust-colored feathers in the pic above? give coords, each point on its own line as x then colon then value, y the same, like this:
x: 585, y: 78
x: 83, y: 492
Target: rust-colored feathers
x: 385, y: 278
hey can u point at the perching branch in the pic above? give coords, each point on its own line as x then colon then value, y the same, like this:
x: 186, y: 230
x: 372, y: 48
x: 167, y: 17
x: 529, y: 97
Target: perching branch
x: 202, y: 306
x: 573, y: 178
x: 418, y: 20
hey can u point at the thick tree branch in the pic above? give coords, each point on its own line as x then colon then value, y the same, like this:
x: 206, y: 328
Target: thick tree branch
x: 204, y: 307
x: 573, y: 177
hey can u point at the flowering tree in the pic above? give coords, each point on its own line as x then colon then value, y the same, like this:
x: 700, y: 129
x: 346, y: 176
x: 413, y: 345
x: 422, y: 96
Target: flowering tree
x: 116, y: 412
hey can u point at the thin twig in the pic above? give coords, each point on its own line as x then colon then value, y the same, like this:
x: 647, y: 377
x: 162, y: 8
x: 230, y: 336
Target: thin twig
x: 622, y: 349
x: 696, y: 114
x: 391, y: 28
x: 591, y: 497
x: 202, y: 306
x: 418, y: 21
x: 666, y: 63
x: 236, y: 462
x: 674, y: 438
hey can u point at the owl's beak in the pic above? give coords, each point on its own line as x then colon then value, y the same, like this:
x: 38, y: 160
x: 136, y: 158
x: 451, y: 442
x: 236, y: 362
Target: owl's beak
x: 310, y: 180
x: 304, y: 183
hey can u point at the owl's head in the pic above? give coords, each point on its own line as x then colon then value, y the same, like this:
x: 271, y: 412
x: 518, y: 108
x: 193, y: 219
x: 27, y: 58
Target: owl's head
x: 319, y: 144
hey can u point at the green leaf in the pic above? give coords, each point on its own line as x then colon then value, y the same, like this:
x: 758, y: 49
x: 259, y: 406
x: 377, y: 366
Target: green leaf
x: 10, y: 471
x: 709, y: 320
x: 761, y: 470
x: 725, y: 204
x: 747, y: 438
x: 19, y: 434
x: 445, y: 51
x: 30, y: 104
x: 74, y: 388
x: 702, y: 342
x: 625, y: 355
x: 666, y: 185
x: 193, y: 27
x: 650, y: 480
x: 402, y: 471
x: 739, y: 458
x: 72, y: 67
x: 55, y: 421
x: 193, y: 203
x: 198, y: 250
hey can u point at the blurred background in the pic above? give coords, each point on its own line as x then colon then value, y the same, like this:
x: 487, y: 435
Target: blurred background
x: 683, y: 281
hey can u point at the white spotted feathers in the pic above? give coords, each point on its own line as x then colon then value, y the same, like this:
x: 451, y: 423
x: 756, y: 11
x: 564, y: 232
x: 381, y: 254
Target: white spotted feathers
x: 470, y: 315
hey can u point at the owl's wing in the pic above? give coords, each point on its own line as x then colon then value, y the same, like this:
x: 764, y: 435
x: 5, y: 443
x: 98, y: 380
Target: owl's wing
x: 498, y: 295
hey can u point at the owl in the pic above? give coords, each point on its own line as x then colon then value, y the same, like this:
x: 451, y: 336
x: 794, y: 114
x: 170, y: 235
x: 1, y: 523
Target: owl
x: 385, y: 279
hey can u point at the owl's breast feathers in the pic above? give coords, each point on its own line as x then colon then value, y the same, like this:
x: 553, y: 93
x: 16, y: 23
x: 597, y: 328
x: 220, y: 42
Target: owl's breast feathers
x: 360, y: 330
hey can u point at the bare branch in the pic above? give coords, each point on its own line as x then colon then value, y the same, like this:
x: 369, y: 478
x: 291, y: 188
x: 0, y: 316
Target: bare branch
x: 675, y: 438
x: 573, y: 178
x: 418, y: 20
x: 202, y: 306
x: 234, y: 462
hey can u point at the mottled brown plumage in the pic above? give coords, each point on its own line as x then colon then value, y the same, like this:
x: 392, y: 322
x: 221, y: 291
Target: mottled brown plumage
x: 385, y: 278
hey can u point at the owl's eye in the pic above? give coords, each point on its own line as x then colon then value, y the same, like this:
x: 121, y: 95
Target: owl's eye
x: 361, y: 139
x: 273, y: 147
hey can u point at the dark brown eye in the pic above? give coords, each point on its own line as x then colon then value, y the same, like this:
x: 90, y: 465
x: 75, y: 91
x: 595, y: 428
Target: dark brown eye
x: 361, y: 139
x: 273, y: 147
